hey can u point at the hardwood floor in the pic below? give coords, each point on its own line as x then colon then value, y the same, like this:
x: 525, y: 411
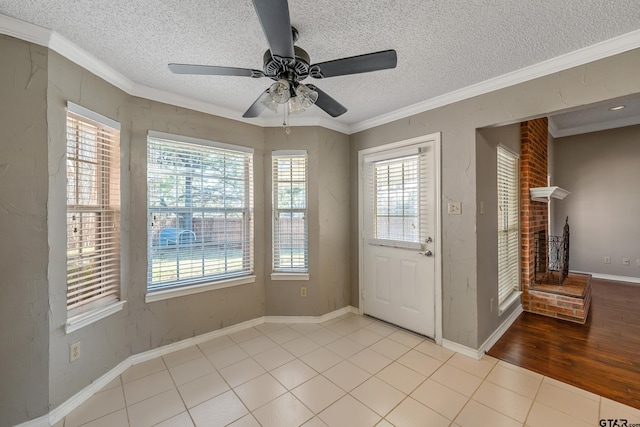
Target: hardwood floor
x: 601, y: 356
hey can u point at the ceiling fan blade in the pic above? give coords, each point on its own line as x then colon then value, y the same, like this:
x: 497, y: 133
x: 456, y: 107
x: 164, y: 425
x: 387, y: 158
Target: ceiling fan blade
x: 276, y: 24
x: 328, y: 104
x: 212, y: 70
x: 375, y: 61
x: 257, y: 107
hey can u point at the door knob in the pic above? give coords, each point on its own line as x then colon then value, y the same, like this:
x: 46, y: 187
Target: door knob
x: 426, y: 253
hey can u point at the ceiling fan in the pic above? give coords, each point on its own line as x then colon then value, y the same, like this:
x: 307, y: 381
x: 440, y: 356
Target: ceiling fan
x: 288, y: 65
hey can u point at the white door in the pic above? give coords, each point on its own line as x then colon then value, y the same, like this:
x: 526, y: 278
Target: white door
x: 398, y: 236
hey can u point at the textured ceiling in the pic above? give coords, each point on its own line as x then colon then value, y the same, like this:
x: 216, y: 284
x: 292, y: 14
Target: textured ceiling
x: 442, y: 45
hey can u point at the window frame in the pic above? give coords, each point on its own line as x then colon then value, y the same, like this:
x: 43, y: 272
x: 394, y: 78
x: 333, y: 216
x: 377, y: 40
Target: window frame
x: 164, y: 289
x: 102, y: 292
x: 508, y: 192
x: 279, y: 271
x: 418, y: 155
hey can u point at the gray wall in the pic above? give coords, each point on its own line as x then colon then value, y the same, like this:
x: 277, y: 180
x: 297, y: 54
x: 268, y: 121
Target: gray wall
x: 487, y: 141
x: 24, y: 302
x: 328, y: 286
x: 462, y: 312
x: 602, y: 172
x: 35, y: 85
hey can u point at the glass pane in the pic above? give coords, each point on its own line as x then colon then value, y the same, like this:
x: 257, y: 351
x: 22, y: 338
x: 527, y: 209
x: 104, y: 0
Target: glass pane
x: 396, y: 199
x: 197, y: 200
x: 87, y: 184
x: 290, y: 231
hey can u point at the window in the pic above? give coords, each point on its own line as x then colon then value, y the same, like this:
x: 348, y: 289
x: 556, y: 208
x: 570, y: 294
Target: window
x: 396, y: 212
x: 93, y: 211
x: 200, y: 207
x: 290, y: 245
x: 508, y: 227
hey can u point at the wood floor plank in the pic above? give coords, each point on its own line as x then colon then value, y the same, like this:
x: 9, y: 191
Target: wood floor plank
x: 601, y: 356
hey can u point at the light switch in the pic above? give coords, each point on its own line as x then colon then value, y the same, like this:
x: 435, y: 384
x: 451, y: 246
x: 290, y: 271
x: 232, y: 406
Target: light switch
x: 454, y: 208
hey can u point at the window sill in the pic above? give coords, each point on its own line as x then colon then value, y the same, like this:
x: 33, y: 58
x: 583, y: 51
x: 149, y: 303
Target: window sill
x: 515, y: 296
x: 195, y: 289
x: 289, y: 276
x: 81, y: 320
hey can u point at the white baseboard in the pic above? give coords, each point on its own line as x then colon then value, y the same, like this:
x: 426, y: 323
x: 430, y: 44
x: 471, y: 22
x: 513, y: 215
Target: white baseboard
x: 462, y: 349
x: 42, y: 421
x: 495, y: 336
x: 64, y: 409
x: 628, y: 279
x: 310, y: 319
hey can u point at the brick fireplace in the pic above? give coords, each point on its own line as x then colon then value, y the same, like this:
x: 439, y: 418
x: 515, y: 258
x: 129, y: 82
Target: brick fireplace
x: 571, y: 300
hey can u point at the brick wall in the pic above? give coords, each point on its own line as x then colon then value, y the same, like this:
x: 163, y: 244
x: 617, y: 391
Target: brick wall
x: 533, y: 215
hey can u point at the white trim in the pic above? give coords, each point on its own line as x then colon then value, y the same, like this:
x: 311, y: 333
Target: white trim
x: 402, y: 145
x: 180, y: 291
x: 601, y: 50
x: 310, y: 319
x: 551, y: 126
x: 397, y: 154
x: 289, y: 276
x: 81, y: 320
x: 64, y: 409
x: 42, y: 421
x: 462, y: 349
x: 493, y: 338
x: 92, y: 115
x: 498, y: 333
x: 190, y: 342
x: 286, y: 153
x: 612, y: 277
x: 513, y: 297
x: 437, y: 147
x: 198, y: 141
x: 45, y: 37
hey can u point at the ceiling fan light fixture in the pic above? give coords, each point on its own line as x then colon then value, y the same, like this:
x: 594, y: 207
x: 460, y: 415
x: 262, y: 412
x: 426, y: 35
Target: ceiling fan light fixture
x: 280, y: 91
x: 269, y: 103
x: 304, y: 99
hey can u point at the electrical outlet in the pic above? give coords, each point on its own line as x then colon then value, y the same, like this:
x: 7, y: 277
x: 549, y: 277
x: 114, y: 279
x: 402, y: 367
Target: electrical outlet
x: 481, y: 207
x: 607, y: 260
x: 74, y: 352
x: 303, y: 291
x: 626, y: 261
x: 454, y: 208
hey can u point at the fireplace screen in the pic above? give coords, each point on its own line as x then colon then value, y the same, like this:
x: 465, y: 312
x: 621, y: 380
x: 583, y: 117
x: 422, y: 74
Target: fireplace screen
x: 552, y: 257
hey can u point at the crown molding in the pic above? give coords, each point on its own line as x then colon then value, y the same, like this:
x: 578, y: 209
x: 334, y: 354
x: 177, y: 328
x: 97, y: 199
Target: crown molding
x: 24, y: 31
x: 48, y: 38
x: 601, y: 50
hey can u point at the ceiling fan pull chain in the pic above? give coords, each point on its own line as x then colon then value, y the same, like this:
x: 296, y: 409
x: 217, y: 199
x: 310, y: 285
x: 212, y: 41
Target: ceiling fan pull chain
x: 287, y: 129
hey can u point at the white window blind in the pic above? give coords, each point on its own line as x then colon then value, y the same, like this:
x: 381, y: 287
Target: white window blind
x: 200, y: 208
x: 394, y: 196
x: 508, y: 226
x: 93, y: 213
x: 290, y: 244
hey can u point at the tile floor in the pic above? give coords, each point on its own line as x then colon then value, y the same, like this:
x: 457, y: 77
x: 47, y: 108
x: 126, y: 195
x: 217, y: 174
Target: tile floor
x: 351, y: 371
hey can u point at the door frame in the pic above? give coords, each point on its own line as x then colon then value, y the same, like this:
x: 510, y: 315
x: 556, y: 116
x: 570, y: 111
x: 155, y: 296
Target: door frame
x: 437, y: 238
